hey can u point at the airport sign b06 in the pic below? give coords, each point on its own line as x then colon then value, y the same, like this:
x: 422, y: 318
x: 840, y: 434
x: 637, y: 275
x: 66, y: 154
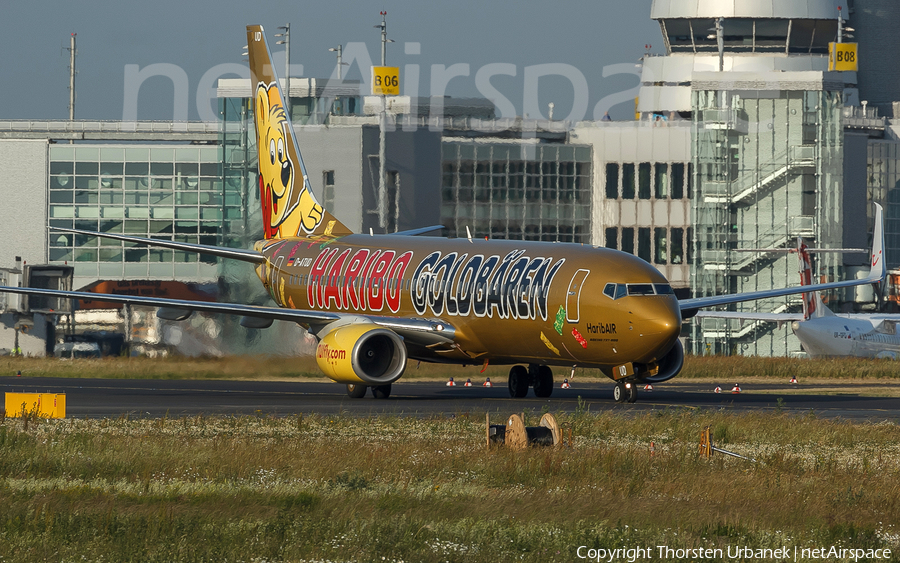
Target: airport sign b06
x: 385, y: 81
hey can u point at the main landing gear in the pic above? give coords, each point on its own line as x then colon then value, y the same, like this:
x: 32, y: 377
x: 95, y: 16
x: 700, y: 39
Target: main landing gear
x: 538, y: 377
x: 625, y: 392
x: 357, y: 391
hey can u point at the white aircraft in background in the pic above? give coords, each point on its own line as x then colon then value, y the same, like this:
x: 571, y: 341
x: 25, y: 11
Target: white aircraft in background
x: 824, y: 333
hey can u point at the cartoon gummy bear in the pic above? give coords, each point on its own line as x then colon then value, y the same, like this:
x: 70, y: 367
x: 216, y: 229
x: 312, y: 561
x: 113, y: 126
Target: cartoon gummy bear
x: 286, y: 210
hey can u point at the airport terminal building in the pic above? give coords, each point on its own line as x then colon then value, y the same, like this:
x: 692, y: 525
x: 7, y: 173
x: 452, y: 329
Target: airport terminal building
x: 741, y: 143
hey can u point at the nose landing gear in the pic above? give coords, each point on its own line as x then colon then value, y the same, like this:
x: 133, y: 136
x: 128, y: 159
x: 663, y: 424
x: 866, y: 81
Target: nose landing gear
x: 625, y: 392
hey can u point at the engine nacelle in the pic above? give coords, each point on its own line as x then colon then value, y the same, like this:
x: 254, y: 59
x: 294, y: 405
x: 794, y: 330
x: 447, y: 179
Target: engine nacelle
x: 362, y: 353
x: 669, y: 365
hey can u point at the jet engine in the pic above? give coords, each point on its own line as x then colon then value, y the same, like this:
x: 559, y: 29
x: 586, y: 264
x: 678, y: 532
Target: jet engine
x: 668, y: 366
x: 362, y: 353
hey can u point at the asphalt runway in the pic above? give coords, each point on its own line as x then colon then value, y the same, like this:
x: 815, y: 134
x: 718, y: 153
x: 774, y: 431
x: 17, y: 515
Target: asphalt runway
x: 112, y: 398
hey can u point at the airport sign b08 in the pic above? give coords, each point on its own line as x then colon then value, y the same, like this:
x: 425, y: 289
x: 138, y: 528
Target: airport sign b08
x: 843, y: 56
x: 385, y: 81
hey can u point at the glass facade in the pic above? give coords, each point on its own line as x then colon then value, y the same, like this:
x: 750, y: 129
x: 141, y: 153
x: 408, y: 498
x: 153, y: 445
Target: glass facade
x: 517, y: 192
x: 767, y: 169
x: 883, y: 186
x: 669, y: 180
x: 750, y: 35
x: 160, y: 191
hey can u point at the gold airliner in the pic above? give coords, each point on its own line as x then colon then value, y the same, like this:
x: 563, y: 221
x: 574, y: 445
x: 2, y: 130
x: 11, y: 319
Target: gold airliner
x: 376, y: 301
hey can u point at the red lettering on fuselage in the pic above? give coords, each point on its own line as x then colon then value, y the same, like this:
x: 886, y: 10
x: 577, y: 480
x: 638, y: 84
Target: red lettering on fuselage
x: 318, y: 269
x: 380, y: 267
x: 352, y: 279
x: 332, y: 287
x: 396, y: 278
x: 365, y: 281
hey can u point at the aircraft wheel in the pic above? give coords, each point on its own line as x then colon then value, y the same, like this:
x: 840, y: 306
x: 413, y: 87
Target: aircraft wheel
x: 518, y: 382
x: 631, y: 393
x: 543, y: 382
x: 356, y: 391
x: 619, y: 392
x: 381, y: 391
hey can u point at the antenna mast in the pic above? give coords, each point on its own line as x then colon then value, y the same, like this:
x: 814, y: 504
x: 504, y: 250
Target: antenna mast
x: 72, y: 77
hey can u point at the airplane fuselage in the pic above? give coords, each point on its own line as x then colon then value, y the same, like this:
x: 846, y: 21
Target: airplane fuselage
x: 848, y: 335
x: 509, y: 301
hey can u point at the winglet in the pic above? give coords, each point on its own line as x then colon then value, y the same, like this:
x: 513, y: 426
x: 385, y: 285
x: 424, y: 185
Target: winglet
x: 289, y: 206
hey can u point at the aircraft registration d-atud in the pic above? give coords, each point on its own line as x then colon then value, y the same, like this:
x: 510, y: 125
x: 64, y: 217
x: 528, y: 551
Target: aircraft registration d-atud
x: 376, y: 301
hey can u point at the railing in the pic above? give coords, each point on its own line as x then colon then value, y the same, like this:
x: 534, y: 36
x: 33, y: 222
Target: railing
x: 796, y: 156
x: 81, y: 126
x: 798, y: 225
x: 498, y: 124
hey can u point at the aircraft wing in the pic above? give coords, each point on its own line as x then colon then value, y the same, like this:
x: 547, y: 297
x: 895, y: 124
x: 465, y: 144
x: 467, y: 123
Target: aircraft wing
x: 223, y: 251
x: 690, y: 307
x: 423, y: 331
x: 751, y: 316
x: 419, y: 231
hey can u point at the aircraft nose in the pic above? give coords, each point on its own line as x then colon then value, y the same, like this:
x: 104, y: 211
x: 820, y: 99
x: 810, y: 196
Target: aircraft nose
x: 664, y: 317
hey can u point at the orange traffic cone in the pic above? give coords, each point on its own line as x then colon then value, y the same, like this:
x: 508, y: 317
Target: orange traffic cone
x: 487, y: 383
x: 648, y: 387
x: 451, y: 383
x: 718, y: 389
x: 736, y: 389
x: 468, y: 383
x: 794, y: 379
x: 565, y: 384
x: 652, y: 449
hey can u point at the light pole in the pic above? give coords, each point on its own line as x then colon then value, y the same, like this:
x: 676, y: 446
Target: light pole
x: 384, y: 39
x: 287, y: 66
x: 340, y: 50
x: 382, y: 189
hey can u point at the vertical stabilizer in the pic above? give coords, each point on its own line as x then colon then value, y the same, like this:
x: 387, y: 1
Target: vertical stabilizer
x: 812, y: 302
x: 288, y: 204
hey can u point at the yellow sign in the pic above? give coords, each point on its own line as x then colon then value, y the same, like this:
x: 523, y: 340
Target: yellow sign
x: 843, y: 56
x: 385, y: 81
x: 44, y: 405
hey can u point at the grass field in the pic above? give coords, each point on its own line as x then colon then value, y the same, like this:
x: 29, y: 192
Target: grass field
x: 713, y: 368
x: 320, y: 488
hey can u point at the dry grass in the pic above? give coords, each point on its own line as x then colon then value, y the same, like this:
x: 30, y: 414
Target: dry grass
x: 343, y: 488
x: 702, y: 368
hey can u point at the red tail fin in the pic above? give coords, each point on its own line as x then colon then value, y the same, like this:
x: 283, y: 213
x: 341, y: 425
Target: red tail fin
x: 809, y: 299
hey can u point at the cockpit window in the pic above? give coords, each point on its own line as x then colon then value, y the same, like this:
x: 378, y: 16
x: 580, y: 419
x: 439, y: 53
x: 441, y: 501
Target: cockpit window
x: 640, y: 289
x: 619, y: 290
x: 663, y: 289
x: 610, y: 290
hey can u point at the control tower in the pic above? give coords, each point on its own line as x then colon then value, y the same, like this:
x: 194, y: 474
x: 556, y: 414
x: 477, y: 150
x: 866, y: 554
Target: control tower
x: 767, y: 149
x: 737, y: 36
